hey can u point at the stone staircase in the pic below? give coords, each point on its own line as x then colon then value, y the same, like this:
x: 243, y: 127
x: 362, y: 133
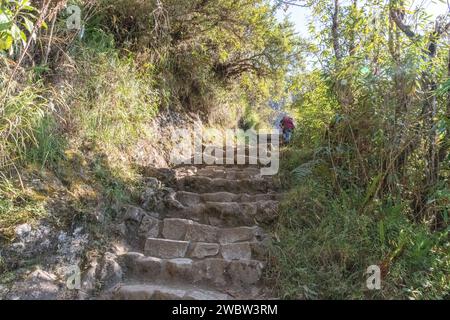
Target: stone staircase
x: 207, y: 243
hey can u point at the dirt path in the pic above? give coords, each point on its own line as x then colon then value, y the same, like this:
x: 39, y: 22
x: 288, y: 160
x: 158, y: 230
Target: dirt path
x: 208, y: 242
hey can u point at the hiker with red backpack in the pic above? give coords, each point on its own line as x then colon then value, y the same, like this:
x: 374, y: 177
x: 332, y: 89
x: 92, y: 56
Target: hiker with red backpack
x: 287, y: 125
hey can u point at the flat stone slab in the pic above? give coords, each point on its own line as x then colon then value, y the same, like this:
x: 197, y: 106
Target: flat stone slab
x: 201, y: 233
x: 166, y: 249
x: 175, y: 229
x: 149, y: 292
x: 177, y: 269
x: 236, y: 251
x: 212, y: 271
x: 157, y: 292
x: 205, y: 295
x: 245, y: 272
x: 149, y: 267
x: 202, y: 250
x: 239, y: 234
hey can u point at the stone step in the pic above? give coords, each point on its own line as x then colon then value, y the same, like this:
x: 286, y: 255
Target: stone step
x: 172, y: 249
x: 252, y: 170
x: 188, y: 230
x: 242, y: 161
x: 235, y: 173
x: 200, y: 223
x: 186, y: 198
x: 206, y: 185
x: 228, y: 214
x: 165, y: 248
x: 213, y: 272
x: 247, y: 147
x: 204, y: 240
x: 165, y: 292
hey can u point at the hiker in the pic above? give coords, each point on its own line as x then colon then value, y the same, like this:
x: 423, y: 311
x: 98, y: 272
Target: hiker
x: 287, y: 125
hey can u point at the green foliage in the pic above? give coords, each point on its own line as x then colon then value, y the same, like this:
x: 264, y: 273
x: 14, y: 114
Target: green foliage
x: 113, y: 189
x: 17, y: 17
x: 196, y: 58
x: 17, y: 207
x: 324, y: 245
x: 22, y: 112
x: 250, y: 119
x: 354, y: 198
x: 50, y: 144
x: 313, y: 106
x: 114, y: 98
x: 358, y: 169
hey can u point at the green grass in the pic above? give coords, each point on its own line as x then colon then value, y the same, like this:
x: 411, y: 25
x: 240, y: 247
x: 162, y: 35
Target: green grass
x: 26, y: 137
x: 107, y: 109
x: 18, y: 206
x: 50, y: 144
x: 22, y: 111
x: 114, y: 98
x: 325, y: 242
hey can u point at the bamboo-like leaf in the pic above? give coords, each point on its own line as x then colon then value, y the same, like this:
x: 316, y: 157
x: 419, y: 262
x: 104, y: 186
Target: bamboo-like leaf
x: 6, y: 42
x: 28, y: 24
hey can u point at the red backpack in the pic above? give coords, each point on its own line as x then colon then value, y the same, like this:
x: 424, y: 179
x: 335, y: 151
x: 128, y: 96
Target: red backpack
x: 288, y: 123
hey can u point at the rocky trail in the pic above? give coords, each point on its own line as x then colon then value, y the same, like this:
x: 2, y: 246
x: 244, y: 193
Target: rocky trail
x: 207, y: 243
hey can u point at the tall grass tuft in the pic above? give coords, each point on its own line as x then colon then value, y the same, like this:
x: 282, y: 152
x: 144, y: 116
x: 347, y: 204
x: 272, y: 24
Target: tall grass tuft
x: 21, y: 112
x: 115, y: 97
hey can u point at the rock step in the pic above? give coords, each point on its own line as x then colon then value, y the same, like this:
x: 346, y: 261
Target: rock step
x: 242, y: 161
x: 165, y: 292
x: 235, y: 148
x: 186, y: 198
x: 188, y: 230
x: 228, y: 214
x: 189, y: 224
x: 220, y: 172
x: 205, y: 185
x: 203, y: 239
x: 172, y: 249
x: 252, y: 170
x: 186, y: 224
x: 213, y: 272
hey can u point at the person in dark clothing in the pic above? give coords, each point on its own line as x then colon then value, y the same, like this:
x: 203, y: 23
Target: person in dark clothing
x: 287, y: 125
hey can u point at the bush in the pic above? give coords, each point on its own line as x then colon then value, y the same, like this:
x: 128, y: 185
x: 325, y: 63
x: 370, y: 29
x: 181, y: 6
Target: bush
x: 325, y: 243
